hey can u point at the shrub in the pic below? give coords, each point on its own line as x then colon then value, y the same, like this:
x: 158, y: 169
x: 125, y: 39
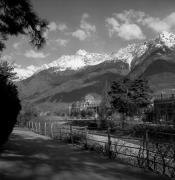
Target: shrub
x: 9, y: 104
x: 155, y: 132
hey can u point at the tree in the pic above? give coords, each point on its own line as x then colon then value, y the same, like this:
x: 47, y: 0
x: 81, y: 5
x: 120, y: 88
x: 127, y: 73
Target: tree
x: 16, y: 17
x: 105, y: 108
x: 29, y: 112
x: 9, y: 102
x: 129, y: 96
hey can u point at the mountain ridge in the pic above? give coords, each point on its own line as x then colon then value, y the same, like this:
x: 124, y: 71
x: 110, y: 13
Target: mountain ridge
x: 83, y: 59
x: 153, y: 60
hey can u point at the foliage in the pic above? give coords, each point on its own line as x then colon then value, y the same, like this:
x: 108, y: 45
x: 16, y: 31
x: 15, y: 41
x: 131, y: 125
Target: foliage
x: 129, y: 96
x: 17, y: 17
x: 10, y: 103
x: 28, y: 113
x: 105, y: 110
x: 156, y: 132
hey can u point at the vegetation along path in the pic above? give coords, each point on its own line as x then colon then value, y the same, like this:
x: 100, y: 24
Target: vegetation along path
x: 31, y: 156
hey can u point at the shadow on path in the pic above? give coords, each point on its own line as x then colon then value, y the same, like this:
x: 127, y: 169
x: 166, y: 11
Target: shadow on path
x: 29, y: 156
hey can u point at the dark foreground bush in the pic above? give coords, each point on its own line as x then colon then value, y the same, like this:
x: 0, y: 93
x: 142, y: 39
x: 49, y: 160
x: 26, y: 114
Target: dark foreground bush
x: 9, y: 108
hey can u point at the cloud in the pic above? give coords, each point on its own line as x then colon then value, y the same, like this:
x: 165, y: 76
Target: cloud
x: 120, y: 23
x: 130, y: 16
x: 53, y: 27
x: 62, y: 42
x: 126, y: 25
x: 62, y: 27
x: 6, y: 58
x: 159, y: 25
x: 80, y: 34
x: 16, y: 45
x: 130, y: 31
x: 85, y: 30
x: 113, y: 25
x: 125, y: 31
x: 16, y: 65
x: 34, y: 54
x: 85, y: 25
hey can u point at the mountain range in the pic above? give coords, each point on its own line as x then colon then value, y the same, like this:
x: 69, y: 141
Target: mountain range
x: 72, y: 77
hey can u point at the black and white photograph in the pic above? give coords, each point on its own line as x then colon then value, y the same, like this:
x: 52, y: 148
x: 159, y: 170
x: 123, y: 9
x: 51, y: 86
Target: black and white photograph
x: 87, y: 89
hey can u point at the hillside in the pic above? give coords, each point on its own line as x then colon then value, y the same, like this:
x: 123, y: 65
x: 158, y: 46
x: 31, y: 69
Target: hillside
x: 64, y: 82
x: 70, y: 85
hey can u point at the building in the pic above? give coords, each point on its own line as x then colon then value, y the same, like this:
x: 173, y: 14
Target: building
x: 164, y: 108
x: 88, y: 104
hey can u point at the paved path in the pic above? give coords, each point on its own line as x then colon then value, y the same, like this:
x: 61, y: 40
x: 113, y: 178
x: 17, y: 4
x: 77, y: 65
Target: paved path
x: 28, y: 156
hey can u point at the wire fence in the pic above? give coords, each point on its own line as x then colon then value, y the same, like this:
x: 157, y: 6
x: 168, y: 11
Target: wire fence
x: 141, y: 152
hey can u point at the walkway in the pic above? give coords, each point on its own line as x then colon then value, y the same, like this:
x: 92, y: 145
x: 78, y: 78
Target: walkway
x: 28, y: 156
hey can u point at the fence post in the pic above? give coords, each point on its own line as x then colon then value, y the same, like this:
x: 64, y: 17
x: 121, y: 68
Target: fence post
x: 71, y: 134
x: 39, y: 128
x: 86, y: 137
x: 36, y: 127
x: 31, y: 125
x: 147, y: 148
x: 45, y: 132
x: 109, y: 143
x: 51, y: 127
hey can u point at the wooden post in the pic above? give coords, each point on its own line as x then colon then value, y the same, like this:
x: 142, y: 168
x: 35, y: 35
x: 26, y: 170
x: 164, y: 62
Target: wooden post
x: 109, y: 142
x: 39, y: 128
x: 52, y: 135
x: 86, y: 137
x: 36, y: 127
x: 45, y: 130
x: 71, y: 134
x: 147, y: 148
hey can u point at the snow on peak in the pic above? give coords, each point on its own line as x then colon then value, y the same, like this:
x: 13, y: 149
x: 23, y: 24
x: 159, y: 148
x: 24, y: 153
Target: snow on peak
x: 128, y: 54
x: 23, y: 73
x: 168, y: 39
x: 80, y: 60
x: 81, y: 52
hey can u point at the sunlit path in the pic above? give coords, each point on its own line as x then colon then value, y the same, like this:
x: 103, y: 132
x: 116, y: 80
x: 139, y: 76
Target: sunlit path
x: 31, y: 156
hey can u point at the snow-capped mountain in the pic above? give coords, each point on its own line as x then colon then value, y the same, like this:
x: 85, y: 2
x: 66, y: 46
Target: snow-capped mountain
x: 80, y: 60
x: 130, y: 55
x: 88, y: 72
x: 166, y: 39
x: 74, y: 62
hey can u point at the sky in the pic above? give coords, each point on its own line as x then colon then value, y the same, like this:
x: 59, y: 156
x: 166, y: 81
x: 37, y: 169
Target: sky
x: 97, y: 26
